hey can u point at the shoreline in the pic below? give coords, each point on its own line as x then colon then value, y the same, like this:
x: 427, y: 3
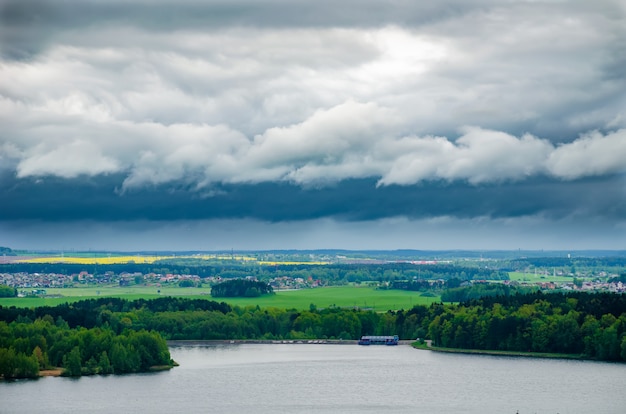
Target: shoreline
x: 198, y: 342
x: 54, y: 372
x: 426, y: 346
x: 517, y: 354
x: 58, y: 372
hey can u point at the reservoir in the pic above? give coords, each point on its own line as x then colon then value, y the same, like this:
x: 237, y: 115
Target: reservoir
x: 312, y: 378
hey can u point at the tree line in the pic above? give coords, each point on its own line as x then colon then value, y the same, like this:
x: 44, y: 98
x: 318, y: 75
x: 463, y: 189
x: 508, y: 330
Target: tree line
x: 481, y: 290
x: 592, y: 325
x: 548, y: 262
x: 88, y: 313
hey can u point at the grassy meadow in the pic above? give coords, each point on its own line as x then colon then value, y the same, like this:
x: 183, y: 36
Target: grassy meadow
x: 344, y: 296
x: 537, y: 278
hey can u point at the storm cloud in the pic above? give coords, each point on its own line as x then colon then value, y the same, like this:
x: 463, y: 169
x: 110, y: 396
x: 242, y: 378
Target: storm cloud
x: 58, y: 199
x: 289, y: 111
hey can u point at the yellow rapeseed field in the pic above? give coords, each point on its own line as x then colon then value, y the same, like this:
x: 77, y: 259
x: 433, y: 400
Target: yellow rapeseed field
x: 96, y: 260
x: 152, y: 259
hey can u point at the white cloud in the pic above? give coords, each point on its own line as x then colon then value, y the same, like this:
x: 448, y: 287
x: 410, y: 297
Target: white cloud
x: 351, y: 140
x: 592, y: 154
x: 321, y: 103
x: 183, y: 152
x: 478, y: 156
x: 67, y: 161
x: 328, y: 137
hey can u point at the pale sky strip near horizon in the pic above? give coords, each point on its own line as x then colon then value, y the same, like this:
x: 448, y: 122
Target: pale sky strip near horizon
x: 290, y: 124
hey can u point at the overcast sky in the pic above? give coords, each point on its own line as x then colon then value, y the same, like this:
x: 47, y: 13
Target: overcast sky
x: 154, y: 124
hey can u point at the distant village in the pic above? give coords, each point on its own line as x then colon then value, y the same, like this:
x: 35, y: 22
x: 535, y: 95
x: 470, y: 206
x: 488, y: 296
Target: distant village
x: 589, y: 286
x: 35, y: 284
x: 29, y: 284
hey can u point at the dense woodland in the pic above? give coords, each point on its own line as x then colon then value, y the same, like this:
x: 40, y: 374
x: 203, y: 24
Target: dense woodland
x: 96, y: 330
x: 7, y: 291
x: 241, y: 288
x: 593, y: 325
x: 27, y: 347
x: 559, y: 262
x: 480, y: 290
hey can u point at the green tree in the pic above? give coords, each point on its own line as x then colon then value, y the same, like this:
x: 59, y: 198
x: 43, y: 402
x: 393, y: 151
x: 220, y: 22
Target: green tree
x: 7, y: 291
x: 91, y: 367
x: 7, y: 362
x: 72, y: 363
x: 26, y: 367
x: 540, y: 335
x: 41, y: 357
x: 104, y: 365
x: 119, y: 358
x: 186, y: 283
x: 309, y: 323
x: 566, y: 336
x: 17, y: 365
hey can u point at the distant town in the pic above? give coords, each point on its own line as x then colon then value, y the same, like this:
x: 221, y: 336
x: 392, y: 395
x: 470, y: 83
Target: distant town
x: 35, y: 284
x: 33, y: 273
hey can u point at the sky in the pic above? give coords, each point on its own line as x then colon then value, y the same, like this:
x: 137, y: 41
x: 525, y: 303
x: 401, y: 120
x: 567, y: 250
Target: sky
x: 289, y: 124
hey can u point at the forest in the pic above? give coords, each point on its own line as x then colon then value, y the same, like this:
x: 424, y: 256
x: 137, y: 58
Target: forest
x: 87, y: 333
x: 479, y: 290
x: 241, y: 288
x: 590, y: 324
x: 26, y: 347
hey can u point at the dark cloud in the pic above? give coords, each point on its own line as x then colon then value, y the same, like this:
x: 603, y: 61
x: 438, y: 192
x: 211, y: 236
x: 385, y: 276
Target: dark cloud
x: 31, y: 25
x: 163, y: 14
x: 55, y: 199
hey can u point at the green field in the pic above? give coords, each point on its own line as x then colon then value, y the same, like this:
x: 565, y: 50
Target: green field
x: 535, y: 278
x: 345, y: 296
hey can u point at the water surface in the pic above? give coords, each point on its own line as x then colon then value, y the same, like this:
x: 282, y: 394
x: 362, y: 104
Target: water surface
x: 308, y: 378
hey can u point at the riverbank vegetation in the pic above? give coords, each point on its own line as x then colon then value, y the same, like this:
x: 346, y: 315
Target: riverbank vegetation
x: 27, y: 347
x: 592, y: 325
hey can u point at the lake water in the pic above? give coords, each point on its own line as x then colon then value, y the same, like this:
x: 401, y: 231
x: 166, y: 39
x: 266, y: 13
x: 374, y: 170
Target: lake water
x: 332, y: 379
